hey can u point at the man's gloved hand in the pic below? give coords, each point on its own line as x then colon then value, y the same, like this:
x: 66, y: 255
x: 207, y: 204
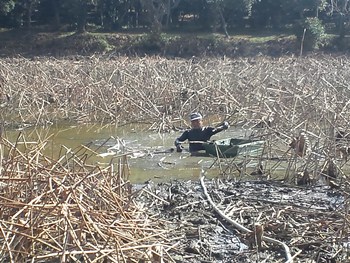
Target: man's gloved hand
x: 179, y: 148
x: 225, y: 125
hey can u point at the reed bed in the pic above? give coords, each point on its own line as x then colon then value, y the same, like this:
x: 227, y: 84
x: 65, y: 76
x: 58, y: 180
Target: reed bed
x: 65, y: 210
x: 297, y: 92
x: 282, y: 96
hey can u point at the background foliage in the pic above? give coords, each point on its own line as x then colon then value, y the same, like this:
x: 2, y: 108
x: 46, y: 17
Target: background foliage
x: 170, y: 14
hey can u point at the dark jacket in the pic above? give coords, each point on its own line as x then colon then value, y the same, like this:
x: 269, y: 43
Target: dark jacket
x: 198, y: 135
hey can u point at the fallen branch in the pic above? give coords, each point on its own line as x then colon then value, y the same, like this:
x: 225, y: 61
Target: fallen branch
x: 243, y: 228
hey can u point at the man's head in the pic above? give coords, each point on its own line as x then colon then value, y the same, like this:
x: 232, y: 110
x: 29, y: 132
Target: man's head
x: 196, y: 120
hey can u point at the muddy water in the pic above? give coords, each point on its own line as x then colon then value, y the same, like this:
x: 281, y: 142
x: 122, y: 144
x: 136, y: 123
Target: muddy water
x: 150, y: 155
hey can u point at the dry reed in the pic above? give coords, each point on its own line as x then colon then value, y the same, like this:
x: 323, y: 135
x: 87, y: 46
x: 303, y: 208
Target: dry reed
x: 283, y: 95
x: 294, y: 90
x: 287, y: 95
x: 67, y: 210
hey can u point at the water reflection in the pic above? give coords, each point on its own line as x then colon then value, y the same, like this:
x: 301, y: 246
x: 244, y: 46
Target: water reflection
x: 150, y: 155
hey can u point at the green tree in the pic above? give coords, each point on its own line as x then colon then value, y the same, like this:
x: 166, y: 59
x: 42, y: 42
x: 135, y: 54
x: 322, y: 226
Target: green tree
x: 303, y: 8
x: 23, y: 11
x: 267, y: 13
x: 159, y: 11
x: 231, y: 13
x: 49, y: 13
x: 6, y: 6
x: 109, y: 12
x: 311, y: 33
x: 192, y: 13
x: 79, y: 9
x: 114, y: 14
x: 341, y: 10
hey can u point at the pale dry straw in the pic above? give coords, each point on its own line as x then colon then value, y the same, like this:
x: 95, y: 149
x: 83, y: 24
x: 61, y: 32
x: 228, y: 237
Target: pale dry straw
x: 308, y: 94
x: 66, y: 209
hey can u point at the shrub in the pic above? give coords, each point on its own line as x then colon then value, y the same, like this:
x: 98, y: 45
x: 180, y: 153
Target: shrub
x: 152, y: 42
x: 314, y: 36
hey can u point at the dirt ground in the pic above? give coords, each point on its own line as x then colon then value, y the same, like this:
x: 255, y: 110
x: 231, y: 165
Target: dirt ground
x: 36, y: 42
x: 312, y: 222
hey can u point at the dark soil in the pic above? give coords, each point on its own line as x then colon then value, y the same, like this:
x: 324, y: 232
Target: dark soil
x: 36, y: 42
x: 311, y: 221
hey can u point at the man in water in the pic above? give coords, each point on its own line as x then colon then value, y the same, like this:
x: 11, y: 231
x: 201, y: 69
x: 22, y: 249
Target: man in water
x: 198, y: 134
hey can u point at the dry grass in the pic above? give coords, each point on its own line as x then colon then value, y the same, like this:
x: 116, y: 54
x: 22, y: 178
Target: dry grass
x: 66, y: 210
x: 308, y: 94
x: 300, y: 91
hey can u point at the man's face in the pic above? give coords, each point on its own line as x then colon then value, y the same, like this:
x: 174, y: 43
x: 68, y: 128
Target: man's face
x: 197, y: 124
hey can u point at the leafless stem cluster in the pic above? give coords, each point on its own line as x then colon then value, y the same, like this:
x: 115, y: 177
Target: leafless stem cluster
x: 299, y: 92
x: 68, y: 210
x: 95, y: 90
x: 280, y: 96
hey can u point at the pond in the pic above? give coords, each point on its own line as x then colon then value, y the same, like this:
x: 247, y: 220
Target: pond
x: 151, y: 155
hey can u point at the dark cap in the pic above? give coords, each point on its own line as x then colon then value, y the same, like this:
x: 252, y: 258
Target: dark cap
x: 195, y: 116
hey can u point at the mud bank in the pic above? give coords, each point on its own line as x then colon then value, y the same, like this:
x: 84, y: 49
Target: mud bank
x: 310, y: 223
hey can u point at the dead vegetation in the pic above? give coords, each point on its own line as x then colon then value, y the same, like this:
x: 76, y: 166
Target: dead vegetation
x: 254, y: 221
x: 299, y: 106
x: 65, y: 210
x: 290, y: 90
x: 277, y: 99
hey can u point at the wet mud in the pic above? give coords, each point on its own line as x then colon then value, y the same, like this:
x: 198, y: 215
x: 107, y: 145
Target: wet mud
x: 309, y: 222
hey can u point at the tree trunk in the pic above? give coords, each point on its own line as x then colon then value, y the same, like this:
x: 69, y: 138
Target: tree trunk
x: 56, y: 17
x: 82, y: 19
x: 169, y: 11
x: 343, y: 18
x: 341, y: 26
x: 155, y: 13
x: 223, y: 23
x: 222, y: 18
x: 28, y: 14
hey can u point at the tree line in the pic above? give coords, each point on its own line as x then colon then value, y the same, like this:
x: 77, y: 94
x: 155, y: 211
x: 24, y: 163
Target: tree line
x: 183, y: 15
